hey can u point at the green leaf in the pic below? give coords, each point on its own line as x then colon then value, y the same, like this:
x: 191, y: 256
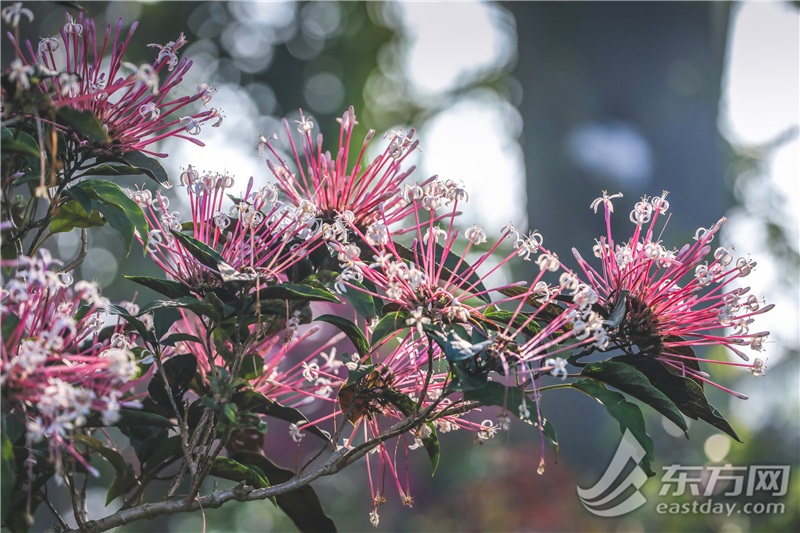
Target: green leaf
x: 350, y: 329
x: 458, y: 349
x: 163, y: 319
x: 364, y: 304
x: 132, y: 321
x: 177, y: 337
x: 113, y: 169
x: 85, y: 123
x: 113, y: 201
x: 124, y: 477
x: 550, y: 432
x: 169, y: 288
x: 8, y: 474
x: 200, y: 251
x: 494, y: 393
x: 133, y: 417
x: 407, y: 406
x: 149, y: 166
x: 685, y: 392
x: 250, y: 400
x: 298, y: 291
x: 504, y: 317
x: 387, y: 325
x: 630, y: 381
x: 227, y: 468
x: 302, y: 505
x: 157, y: 450
x: 252, y: 366
x: 180, y: 370
x: 626, y: 413
x: 199, y: 307
x: 21, y: 147
x: 71, y: 215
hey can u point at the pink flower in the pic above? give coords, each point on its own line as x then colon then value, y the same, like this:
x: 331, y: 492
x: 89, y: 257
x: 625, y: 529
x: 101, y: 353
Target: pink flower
x: 130, y: 101
x: 339, y: 194
x: 258, y: 237
x: 674, y: 300
x: 55, y: 369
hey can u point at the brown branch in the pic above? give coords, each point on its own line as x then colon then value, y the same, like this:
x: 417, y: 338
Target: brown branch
x: 338, y: 460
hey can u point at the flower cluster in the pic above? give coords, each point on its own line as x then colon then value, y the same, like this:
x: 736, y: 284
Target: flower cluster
x: 258, y: 237
x: 343, y: 196
x: 670, y: 301
x: 131, y: 102
x: 56, y: 369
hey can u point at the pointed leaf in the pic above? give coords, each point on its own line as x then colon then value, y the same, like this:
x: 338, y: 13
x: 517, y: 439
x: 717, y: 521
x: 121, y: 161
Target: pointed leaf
x: 200, y: 251
x: 109, y: 194
x: 250, y: 400
x: 350, y: 329
x: 71, y: 215
x: 626, y: 413
x: 297, y: 291
x: 387, y: 325
x: 407, y: 406
x: 685, y: 392
x: 630, y: 381
x: 85, y: 123
x: 302, y: 505
x: 227, y: 468
x: 149, y: 166
x: 169, y: 288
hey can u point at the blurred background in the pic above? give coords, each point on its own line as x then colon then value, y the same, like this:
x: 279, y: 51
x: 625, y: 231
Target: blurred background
x: 537, y: 107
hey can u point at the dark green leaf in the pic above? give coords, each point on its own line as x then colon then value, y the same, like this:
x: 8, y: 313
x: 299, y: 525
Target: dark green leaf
x: 297, y: 291
x: 685, y: 392
x: 159, y: 449
x: 494, y: 393
x: 133, y: 417
x: 618, y: 314
x: 227, y: 468
x: 630, y: 381
x: 388, y: 325
x: 180, y: 371
x: 626, y: 413
x: 124, y: 476
x: 148, y: 165
x: 177, y: 337
x: 200, y: 251
x: 18, y: 146
x: 250, y: 400
x: 252, y: 366
x: 364, y: 304
x: 407, y: 406
x: 77, y: 194
x: 110, y: 195
x: 85, y: 123
x: 169, y: 288
x: 113, y: 169
x: 199, y: 307
x: 163, y: 319
x: 350, y: 329
x: 301, y: 505
x: 71, y: 215
x: 458, y: 349
x: 134, y: 322
x: 504, y: 317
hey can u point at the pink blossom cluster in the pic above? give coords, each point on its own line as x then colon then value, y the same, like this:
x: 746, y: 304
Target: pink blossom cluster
x: 87, y: 72
x: 57, y: 369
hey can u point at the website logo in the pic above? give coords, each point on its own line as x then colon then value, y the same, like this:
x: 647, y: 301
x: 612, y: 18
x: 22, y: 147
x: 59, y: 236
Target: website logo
x: 617, y: 493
